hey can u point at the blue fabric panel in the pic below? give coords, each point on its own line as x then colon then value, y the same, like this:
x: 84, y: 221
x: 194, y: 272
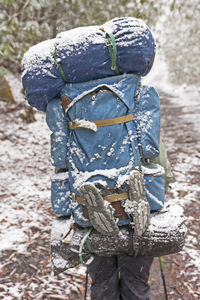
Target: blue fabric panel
x: 155, y: 191
x: 149, y: 122
x: 60, y: 195
x: 57, y: 122
x: 124, y: 86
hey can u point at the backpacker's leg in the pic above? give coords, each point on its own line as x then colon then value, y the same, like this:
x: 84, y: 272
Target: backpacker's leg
x: 105, y: 278
x: 134, y: 274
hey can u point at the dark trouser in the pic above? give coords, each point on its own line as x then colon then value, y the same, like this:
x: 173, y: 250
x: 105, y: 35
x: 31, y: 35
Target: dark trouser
x: 120, y: 277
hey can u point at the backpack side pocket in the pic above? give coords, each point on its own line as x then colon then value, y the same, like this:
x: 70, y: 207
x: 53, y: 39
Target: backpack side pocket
x: 60, y: 194
x: 57, y: 123
x: 148, y: 127
x: 154, y: 185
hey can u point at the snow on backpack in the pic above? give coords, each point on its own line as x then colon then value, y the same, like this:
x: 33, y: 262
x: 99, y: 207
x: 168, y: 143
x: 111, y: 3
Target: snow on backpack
x: 83, y: 54
x: 108, y: 128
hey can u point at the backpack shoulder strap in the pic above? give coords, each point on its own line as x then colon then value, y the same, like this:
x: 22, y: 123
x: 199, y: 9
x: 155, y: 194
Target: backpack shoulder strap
x: 65, y: 101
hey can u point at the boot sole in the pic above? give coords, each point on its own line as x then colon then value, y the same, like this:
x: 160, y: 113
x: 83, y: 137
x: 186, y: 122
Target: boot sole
x: 141, y: 210
x: 98, y: 214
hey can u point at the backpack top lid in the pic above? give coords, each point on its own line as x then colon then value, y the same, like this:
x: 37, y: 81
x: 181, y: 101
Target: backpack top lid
x: 123, y: 86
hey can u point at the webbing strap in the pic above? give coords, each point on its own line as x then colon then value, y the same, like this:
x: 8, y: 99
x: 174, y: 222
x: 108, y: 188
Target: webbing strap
x: 57, y: 62
x: 85, y: 240
x: 100, y: 123
x: 116, y: 197
x: 112, y: 49
x: 109, y: 198
x: 65, y: 101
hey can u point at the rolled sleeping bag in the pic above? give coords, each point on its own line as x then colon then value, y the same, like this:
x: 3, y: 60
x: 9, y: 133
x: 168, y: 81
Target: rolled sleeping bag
x: 83, y: 54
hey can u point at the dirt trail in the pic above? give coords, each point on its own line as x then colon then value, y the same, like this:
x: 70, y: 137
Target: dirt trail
x: 25, y: 270
x: 183, y: 145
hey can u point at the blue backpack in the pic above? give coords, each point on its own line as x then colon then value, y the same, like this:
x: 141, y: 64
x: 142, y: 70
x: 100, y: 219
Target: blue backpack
x: 101, y: 131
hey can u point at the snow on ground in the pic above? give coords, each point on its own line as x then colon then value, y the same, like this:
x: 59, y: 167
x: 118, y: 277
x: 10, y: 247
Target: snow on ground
x: 183, y: 145
x: 25, y: 209
x: 188, y: 99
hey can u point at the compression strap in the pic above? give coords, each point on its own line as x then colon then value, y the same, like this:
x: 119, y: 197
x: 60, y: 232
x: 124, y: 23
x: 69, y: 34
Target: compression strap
x: 112, y: 49
x: 108, y: 198
x: 58, y: 64
x: 80, y: 124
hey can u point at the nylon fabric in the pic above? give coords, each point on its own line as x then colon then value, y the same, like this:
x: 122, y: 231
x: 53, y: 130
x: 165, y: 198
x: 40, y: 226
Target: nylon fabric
x: 88, y: 149
x: 57, y: 122
x: 148, y: 125
x: 84, y: 56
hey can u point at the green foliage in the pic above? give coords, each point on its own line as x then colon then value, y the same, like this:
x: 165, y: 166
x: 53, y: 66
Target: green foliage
x: 181, y: 41
x: 24, y: 23
x: 17, y: 31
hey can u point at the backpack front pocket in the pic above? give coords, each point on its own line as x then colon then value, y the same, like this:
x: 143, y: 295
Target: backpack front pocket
x: 154, y: 185
x: 60, y: 194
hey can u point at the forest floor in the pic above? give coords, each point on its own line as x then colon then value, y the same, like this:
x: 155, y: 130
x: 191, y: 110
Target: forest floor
x: 181, y: 129
x: 26, y: 216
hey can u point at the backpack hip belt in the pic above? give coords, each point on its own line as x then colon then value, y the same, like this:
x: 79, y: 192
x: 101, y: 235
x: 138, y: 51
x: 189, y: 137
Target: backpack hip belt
x: 113, y: 199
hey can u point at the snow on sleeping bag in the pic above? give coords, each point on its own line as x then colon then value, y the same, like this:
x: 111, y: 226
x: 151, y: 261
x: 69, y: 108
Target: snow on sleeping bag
x: 83, y: 54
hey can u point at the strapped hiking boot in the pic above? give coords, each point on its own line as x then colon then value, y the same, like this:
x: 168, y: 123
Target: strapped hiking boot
x: 137, y: 205
x: 99, y: 215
